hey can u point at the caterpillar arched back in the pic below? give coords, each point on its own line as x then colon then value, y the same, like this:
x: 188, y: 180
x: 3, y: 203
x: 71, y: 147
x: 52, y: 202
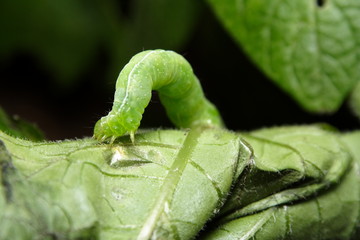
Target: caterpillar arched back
x: 179, y: 91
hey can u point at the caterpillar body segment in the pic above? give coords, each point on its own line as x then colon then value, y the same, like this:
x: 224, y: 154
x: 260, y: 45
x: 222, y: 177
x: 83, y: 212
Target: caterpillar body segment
x: 179, y: 90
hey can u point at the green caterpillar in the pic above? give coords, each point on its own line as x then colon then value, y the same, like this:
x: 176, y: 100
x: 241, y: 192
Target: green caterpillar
x: 179, y: 90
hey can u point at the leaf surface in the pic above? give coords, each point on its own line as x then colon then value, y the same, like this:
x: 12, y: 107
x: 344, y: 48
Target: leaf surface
x: 166, y: 185
x: 310, y: 49
x: 303, y: 185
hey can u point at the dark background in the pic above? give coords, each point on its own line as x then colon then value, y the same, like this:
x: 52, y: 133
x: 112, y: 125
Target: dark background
x: 245, y: 97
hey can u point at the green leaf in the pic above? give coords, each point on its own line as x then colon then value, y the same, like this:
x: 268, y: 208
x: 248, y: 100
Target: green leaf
x: 310, y: 49
x: 17, y: 127
x: 164, y: 186
x: 303, y: 184
x: 352, y: 141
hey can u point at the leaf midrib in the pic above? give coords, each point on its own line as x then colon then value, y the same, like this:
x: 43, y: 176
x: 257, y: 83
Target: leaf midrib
x: 171, y: 180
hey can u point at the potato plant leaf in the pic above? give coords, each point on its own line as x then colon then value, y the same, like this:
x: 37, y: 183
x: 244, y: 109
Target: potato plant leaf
x: 164, y: 186
x: 18, y: 127
x: 303, y: 184
x: 310, y: 49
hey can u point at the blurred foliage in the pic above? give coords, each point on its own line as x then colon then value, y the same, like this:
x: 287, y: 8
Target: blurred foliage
x: 66, y: 36
x: 355, y: 100
x: 17, y: 127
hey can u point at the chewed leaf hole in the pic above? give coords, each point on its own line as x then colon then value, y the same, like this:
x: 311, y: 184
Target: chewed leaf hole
x: 320, y: 3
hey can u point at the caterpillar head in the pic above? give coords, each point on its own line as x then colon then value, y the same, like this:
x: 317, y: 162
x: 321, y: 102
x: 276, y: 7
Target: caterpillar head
x: 106, y: 130
x: 110, y: 127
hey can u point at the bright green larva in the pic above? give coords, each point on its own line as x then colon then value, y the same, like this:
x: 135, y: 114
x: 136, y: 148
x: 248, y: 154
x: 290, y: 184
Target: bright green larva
x: 179, y: 90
